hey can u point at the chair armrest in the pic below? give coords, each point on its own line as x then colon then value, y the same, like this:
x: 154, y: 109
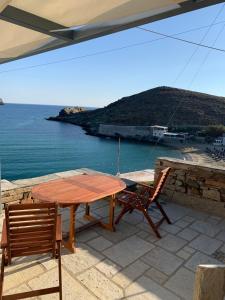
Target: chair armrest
x: 4, y: 240
x: 58, y: 229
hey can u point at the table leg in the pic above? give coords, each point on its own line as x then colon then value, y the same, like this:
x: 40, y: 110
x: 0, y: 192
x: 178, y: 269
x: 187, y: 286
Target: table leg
x: 70, y: 244
x: 110, y: 226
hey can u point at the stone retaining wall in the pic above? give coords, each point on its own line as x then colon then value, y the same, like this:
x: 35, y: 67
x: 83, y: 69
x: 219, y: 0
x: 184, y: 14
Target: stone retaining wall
x: 199, y: 186
x: 129, y: 132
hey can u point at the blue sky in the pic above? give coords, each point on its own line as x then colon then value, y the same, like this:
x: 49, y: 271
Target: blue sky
x: 99, y: 80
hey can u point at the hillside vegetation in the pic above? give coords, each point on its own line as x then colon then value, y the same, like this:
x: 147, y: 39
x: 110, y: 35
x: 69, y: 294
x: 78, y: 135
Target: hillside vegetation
x: 155, y: 106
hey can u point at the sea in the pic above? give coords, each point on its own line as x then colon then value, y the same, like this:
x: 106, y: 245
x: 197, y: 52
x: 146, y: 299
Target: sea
x: 31, y: 146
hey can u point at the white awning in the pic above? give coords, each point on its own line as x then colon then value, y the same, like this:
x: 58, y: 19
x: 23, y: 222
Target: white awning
x: 28, y: 27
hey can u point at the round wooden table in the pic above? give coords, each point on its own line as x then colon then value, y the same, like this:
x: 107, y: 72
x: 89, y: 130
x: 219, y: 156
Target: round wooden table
x: 80, y: 189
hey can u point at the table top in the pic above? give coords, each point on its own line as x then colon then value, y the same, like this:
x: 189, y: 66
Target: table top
x: 78, y: 189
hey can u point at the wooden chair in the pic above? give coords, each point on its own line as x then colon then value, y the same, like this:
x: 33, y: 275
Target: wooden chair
x: 31, y: 229
x: 142, y: 200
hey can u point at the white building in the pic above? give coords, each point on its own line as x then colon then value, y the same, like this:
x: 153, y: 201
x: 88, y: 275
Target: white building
x: 158, y: 131
x: 220, y: 141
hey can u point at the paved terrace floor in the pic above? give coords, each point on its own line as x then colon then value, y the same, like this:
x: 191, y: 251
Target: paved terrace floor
x: 130, y: 263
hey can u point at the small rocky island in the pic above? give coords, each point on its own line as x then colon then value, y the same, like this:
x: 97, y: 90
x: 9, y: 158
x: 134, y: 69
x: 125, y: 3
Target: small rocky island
x: 1, y: 101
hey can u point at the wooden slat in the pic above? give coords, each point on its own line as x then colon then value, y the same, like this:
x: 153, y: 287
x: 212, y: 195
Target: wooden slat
x: 31, y: 229
x: 31, y: 218
x: 31, y: 224
x: 15, y: 253
x: 32, y: 212
x: 29, y: 238
x: 32, y: 243
x: 30, y: 206
x: 31, y: 246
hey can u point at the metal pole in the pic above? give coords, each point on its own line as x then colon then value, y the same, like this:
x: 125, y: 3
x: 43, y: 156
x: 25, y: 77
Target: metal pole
x: 118, y: 157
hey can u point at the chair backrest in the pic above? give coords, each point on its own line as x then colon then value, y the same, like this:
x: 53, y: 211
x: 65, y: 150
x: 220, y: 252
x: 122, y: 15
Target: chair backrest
x: 31, y: 228
x: 160, y: 183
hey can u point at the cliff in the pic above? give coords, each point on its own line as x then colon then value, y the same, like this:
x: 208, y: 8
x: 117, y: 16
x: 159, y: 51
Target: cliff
x: 1, y: 102
x: 154, y: 106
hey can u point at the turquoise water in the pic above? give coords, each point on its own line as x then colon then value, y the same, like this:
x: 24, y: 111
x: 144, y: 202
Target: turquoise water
x: 31, y: 146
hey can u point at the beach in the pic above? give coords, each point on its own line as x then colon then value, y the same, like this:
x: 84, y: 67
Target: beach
x: 196, y: 152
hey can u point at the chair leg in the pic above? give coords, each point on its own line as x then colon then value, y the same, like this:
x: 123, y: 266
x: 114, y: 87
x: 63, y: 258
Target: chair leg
x: 163, y: 212
x: 60, y: 270
x: 124, y: 210
x: 151, y: 223
x: 2, y: 273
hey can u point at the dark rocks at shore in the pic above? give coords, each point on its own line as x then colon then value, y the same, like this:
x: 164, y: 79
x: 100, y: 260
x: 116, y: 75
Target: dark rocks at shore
x: 1, y: 102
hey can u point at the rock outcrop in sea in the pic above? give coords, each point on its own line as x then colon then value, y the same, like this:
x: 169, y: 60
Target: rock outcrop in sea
x: 1, y: 101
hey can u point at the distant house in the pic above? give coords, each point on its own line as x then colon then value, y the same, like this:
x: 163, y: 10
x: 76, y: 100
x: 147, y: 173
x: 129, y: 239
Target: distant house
x: 158, y: 131
x: 219, y: 141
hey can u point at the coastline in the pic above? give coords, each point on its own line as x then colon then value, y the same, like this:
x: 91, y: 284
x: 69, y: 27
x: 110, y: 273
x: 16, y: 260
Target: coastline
x: 196, y: 153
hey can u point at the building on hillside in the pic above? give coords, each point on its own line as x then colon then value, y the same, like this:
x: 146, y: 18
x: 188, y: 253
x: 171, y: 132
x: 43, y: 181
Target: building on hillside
x: 158, y: 131
x: 220, y: 141
x: 174, y: 136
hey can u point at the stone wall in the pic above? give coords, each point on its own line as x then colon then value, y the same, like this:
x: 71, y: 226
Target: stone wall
x: 130, y: 132
x: 199, y: 186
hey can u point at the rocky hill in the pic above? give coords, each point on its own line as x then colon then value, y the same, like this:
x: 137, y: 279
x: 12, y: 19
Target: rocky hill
x: 161, y: 106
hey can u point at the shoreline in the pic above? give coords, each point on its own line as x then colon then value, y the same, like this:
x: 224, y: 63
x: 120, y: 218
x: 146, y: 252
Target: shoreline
x: 196, y: 152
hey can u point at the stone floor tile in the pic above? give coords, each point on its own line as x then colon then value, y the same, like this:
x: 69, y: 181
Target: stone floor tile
x: 171, y: 242
x: 183, y: 254
x: 86, y: 235
x: 100, y: 243
x: 72, y: 289
x: 146, y: 289
x: 142, y: 234
x: 182, y: 283
x: 221, y: 236
x: 129, y: 274
x: 123, y: 230
x: 162, y: 260
x: 188, y: 219
x: 198, y: 259
x: 198, y: 215
x: 108, y: 267
x: 100, y: 285
x: 175, y: 211
x: 223, y: 248
x: 21, y: 270
x: 205, y: 244
x: 47, y: 262
x: 189, y: 249
x: 188, y: 234
x: 156, y: 275
x: 84, y: 258
x: 152, y: 238
x: 133, y: 218
x: 182, y: 223
x: 127, y: 251
x: 170, y: 228
x: 205, y: 228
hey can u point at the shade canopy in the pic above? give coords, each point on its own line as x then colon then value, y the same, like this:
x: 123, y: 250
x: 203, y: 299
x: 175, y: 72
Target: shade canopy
x: 28, y: 27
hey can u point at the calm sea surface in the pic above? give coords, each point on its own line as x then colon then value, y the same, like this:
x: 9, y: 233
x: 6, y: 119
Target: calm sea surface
x: 31, y: 146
